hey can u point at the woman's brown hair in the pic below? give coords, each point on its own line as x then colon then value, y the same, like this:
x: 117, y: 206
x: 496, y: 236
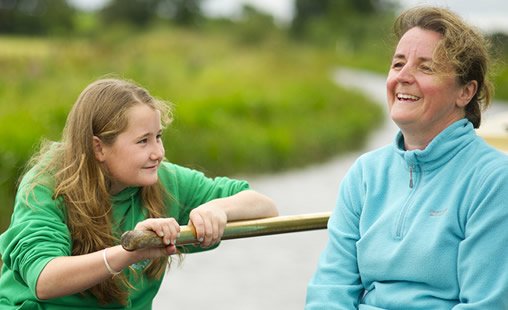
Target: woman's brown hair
x: 462, y: 46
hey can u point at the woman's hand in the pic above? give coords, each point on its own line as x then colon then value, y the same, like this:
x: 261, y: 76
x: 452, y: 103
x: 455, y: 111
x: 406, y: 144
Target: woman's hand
x: 166, y: 228
x: 209, y: 221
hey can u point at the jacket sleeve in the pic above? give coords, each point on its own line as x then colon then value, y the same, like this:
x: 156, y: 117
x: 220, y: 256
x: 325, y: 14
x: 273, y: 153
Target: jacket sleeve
x: 191, y: 188
x: 336, y: 284
x: 483, y: 254
x: 36, y: 235
x: 196, y: 189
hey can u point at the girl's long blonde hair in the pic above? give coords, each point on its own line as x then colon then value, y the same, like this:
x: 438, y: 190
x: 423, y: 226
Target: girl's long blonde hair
x: 83, y: 185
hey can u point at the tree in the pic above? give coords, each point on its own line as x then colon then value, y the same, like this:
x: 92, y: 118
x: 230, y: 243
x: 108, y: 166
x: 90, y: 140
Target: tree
x: 141, y: 12
x: 334, y: 14
x: 36, y: 16
x: 135, y: 12
x: 181, y: 12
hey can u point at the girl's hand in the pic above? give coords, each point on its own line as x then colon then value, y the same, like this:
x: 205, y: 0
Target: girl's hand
x: 166, y: 228
x: 209, y: 221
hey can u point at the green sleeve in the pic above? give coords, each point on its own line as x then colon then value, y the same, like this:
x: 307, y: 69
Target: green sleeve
x: 191, y: 188
x: 36, y: 235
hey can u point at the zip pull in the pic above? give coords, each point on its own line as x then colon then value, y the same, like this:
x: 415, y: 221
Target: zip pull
x: 410, y: 176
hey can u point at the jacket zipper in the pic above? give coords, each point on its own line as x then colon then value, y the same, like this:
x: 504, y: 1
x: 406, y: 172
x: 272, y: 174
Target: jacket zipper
x: 402, y: 218
x: 410, y: 176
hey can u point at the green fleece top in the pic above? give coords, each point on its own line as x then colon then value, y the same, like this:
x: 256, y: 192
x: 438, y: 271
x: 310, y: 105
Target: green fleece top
x: 38, y: 233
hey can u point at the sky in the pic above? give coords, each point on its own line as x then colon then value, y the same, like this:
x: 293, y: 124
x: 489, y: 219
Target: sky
x: 489, y: 15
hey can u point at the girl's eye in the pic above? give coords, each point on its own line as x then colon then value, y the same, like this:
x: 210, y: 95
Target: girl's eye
x: 159, y: 136
x: 143, y: 141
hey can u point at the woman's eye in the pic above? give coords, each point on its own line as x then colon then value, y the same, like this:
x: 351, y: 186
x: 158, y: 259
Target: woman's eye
x: 397, y: 65
x: 426, y: 68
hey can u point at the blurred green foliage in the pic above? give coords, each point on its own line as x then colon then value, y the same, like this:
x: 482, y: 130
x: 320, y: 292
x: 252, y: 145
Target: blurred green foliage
x: 241, y: 106
x: 500, y: 47
x: 249, y: 96
x: 142, y: 13
x: 354, y: 22
x: 49, y: 17
x: 36, y: 17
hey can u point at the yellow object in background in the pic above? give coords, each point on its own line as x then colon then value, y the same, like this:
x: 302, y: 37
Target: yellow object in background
x: 495, y: 131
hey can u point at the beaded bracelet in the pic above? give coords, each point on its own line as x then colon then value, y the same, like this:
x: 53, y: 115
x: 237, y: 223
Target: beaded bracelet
x: 111, y: 271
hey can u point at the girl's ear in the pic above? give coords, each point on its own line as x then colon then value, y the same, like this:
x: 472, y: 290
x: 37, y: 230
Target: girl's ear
x: 467, y: 93
x: 98, y: 149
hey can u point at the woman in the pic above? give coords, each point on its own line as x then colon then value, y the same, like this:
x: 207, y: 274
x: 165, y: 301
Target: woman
x: 105, y: 177
x: 421, y: 224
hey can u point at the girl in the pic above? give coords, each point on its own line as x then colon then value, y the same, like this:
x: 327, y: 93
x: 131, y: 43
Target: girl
x: 108, y: 175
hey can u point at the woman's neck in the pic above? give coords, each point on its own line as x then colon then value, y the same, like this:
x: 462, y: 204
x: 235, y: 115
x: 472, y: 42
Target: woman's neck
x: 416, y: 140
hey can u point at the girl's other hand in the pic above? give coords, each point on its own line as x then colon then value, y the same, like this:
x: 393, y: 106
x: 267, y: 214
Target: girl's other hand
x: 209, y: 221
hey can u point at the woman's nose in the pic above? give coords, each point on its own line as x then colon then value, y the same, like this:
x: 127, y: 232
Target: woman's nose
x: 405, y: 75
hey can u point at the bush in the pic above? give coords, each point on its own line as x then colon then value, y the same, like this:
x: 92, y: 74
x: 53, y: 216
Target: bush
x: 239, y: 108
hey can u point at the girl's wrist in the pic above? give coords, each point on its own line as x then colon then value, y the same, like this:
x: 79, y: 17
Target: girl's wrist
x: 118, y: 258
x: 112, y: 271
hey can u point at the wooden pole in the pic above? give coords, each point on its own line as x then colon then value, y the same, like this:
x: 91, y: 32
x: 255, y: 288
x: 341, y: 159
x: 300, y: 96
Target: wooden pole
x: 138, y: 239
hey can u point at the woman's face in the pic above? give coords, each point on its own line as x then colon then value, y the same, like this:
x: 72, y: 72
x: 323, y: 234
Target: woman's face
x: 134, y: 157
x: 421, y: 100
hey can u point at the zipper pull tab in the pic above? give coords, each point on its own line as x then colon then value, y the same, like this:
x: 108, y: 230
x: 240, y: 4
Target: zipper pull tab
x: 410, y: 176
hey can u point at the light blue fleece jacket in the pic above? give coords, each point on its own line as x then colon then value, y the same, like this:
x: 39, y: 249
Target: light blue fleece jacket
x: 422, y: 229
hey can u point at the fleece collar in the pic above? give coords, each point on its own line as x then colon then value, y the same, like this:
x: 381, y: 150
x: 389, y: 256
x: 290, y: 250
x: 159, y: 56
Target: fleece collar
x: 441, y: 149
x: 125, y: 195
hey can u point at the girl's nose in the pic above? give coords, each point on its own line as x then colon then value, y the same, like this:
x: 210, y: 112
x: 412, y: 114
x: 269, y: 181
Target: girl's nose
x: 157, y: 152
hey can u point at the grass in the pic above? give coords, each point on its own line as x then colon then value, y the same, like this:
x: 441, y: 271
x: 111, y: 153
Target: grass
x: 256, y: 105
x: 240, y: 106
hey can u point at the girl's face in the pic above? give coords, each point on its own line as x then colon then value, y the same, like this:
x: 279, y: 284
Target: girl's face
x: 419, y: 99
x: 134, y: 157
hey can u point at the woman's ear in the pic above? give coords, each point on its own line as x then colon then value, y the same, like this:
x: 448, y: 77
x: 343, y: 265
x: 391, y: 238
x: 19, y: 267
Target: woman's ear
x: 467, y: 93
x: 98, y: 149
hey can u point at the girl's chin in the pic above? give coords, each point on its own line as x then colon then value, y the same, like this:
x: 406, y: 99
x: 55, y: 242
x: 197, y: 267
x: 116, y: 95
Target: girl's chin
x: 148, y: 180
x: 152, y: 181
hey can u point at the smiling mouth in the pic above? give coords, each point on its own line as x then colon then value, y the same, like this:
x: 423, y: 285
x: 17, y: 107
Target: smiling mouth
x: 151, y: 167
x: 407, y: 97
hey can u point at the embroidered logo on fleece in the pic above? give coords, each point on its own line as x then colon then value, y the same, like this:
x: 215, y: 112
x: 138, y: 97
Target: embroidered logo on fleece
x: 141, y: 265
x: 438, y: 212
